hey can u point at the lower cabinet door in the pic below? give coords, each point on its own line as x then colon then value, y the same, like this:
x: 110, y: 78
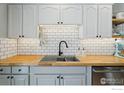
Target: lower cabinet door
x: 73, y: 80
x: 19, y: 79
x: 44, y: 80
x: 5, y: 80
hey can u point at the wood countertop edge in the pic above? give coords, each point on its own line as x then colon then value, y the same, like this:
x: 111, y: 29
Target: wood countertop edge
x: 34, y: 60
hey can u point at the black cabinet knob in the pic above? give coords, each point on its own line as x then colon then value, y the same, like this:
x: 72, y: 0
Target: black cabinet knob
x: 19, y: 70
x: 58, y: 22
x: 12, y: 77
x: 61, y: 22
x: 62, y: 78
x: 1, y: 69
x: 100, y: 36
x: 58, y: 76
x: 8, y: 77
x: 22, y: 35
x: 19, y: 35
x: 97, y: 36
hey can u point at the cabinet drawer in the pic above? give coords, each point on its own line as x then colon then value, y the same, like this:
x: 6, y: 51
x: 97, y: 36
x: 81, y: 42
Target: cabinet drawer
x: 19, y: 70
x: 57, y: 70
x: 4, y: 70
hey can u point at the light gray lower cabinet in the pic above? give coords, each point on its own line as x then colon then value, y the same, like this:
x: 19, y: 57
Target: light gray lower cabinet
x: 19, y: 79
x: 5, y: 80
x: 57, y: 80
x: 72, y: 80
x: 13, y: 79
x: 17, y: 75
x: 44, y: 80
x: 58, y: 76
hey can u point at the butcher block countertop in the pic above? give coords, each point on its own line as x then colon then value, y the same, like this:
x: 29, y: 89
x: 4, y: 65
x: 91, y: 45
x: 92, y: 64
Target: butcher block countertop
x: 34, y: 60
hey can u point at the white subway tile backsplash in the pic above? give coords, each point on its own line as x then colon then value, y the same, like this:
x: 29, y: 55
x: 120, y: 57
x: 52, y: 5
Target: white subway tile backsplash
x: 8, y: 47
x: 104, y: 46
x: 53, y: 34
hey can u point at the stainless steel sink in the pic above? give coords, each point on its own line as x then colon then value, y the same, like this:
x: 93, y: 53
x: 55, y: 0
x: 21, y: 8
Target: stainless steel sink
x: 59, y: 58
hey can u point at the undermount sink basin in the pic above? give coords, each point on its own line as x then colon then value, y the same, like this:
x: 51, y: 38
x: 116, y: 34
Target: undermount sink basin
x: 59, y: 58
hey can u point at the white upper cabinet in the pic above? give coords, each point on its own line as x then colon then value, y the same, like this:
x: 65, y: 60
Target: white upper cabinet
x: 30, y: 21
x: 48, y: 14
x: 71, y: 14
x: 90, y: 21
x: 14, y: 21
x: 97, y: 21
x: 22, y: 21
x: 60, y: 14
x: 105, y: 20
x: 3, y: 20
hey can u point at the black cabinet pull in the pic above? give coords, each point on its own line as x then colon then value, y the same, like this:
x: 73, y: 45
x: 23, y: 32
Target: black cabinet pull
x: 19, y: 35
x: 1, y: 69
x: 58, y: 76
x: 19, y: 70
x: 8, y: 77
x: 100, y: 36
x: 97, y: 36
x: 58, y: 22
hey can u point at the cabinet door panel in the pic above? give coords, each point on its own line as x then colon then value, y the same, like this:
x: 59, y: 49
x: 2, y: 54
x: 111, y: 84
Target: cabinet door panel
x: 5, y: 80
x: 30, y: 21
x: 3, y: 20
x: 71, y: 14
x: 20, y: 80
x: 73, y: 80
x: 90, y: 21
x: 14, y: 21
x: 105, y: 20
x: 44, y: 80
x: 48, y: 14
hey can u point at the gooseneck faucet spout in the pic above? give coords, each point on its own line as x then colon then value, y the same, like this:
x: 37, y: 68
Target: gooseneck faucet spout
x: 60, y: 52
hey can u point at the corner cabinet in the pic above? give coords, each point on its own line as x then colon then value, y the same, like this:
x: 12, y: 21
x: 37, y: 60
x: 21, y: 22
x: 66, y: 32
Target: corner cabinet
x: 97, y: 21
x: 60, y: 14
x: 22, y: 21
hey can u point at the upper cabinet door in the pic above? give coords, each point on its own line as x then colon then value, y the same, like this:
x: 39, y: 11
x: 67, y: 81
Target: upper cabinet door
x: 48, y: 14
x: 14, y: 21
x: 30, y: 21
x: 71, y: 14
x: 90, y: 21
x: 105, y: 20
x: 3, y: 20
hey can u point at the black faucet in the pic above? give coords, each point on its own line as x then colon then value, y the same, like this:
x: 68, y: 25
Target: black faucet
x: 60, y: 52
